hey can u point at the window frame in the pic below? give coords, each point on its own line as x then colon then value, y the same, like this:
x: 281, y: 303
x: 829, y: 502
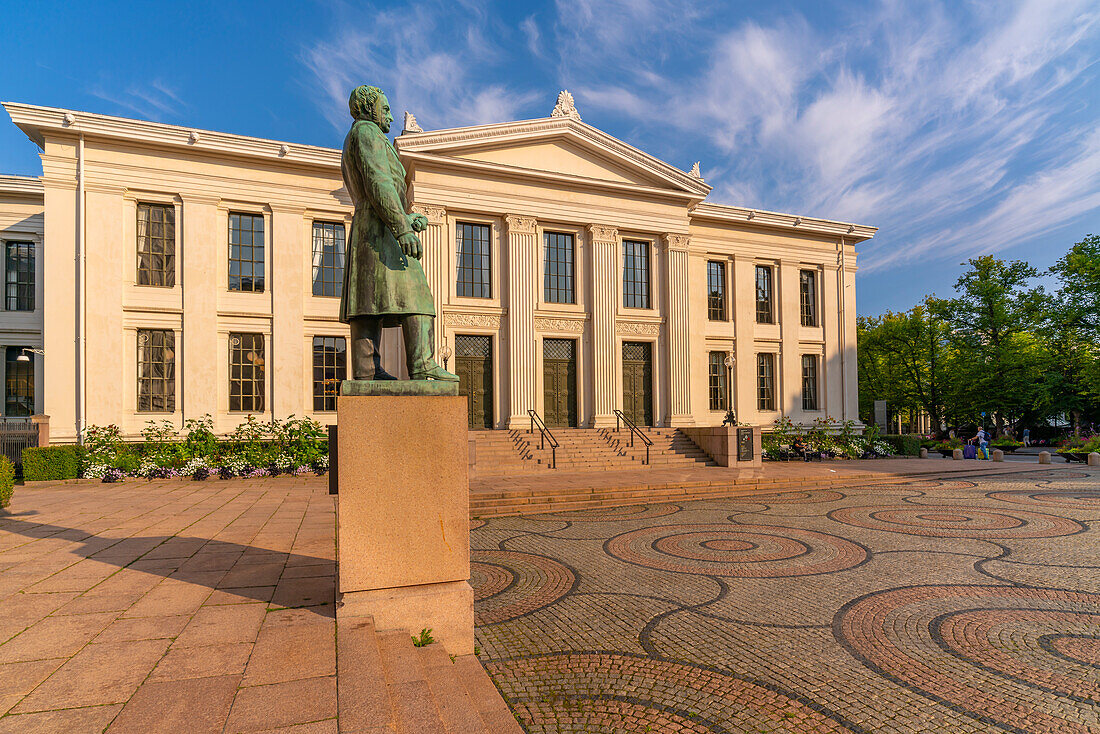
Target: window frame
x: 317, y: 264
x: 767, y: 313
x: 765, y: 382
x: 168, y: 380
x: 252, y: 261
x: 807, y: 306
x: 19, y: 293
x: 815, y: 385
x: 718, y: 381
x: 638, y: 288
x: 326, y: 395
x: 721, y: 313
x: 484, y: 257
x: 570, y: 277
x: 167, y: 274
x: 256, y: 395
x: 18, y: 373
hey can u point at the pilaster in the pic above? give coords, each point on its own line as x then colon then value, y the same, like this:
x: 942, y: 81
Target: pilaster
x: 435, y: 262
x: 523, y: 285
x: 830, y: 324
x: 201, y: 244
x: 60, y: 311
x: 679, y: 329
x: 743, y: 308
x: 105, y: 349
x: 288, y: 281
x: 789, y: 393
x: 604, y: 242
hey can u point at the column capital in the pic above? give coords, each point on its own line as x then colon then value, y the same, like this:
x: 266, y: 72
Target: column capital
x: 676, y: 242
x: 603, y: 233
x: 435, y: 214
x: 520, y: 224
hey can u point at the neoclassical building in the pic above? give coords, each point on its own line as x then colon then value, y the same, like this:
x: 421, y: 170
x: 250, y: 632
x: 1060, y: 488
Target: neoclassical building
x: 168, y: 272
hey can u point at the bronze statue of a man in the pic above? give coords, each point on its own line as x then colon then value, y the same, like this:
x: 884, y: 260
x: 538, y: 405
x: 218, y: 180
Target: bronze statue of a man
x: 384, y: 283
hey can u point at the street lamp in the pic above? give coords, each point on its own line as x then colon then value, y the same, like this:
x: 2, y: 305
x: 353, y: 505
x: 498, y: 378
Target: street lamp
x: 445, y: 353
x: 23, y: 354
x: 730, y: 360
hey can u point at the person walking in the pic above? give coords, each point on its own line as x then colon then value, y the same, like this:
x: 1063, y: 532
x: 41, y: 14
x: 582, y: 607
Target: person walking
x: 1027, y: 437
x: 983, y: 443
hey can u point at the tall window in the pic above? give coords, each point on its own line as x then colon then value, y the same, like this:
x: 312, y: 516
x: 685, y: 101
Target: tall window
x: 716, y: 291
x: 765, y: 382
x: 19, y: 387
x: 246, y: 252
x: 807, y: 296
x: 809, y: 382
x: 156, y: 355
x: 328, y: 258
x: 329, y: 368
x: 246, y: 372
x: 719, y: 384
x: 558, y: 281
x: 635, y: 274
x: 764, y: 295
x: 19, y: 265
x: 473, y: 261
x: 156, y: 245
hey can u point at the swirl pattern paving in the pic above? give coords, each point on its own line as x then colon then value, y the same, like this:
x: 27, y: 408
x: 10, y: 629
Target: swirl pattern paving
x: 735, y: 550
x: 794, y: 496
x: 1020, y: 658
x: 938, y: 484
x: 954, y: 521
x: 616, y: 514
x: 1070, y: 498
x: 510, y: 584
x: 662, y: 695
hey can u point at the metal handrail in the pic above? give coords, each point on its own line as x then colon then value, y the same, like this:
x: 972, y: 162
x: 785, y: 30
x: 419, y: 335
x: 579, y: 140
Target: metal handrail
x: 621, y: 416
x: 536, y: 421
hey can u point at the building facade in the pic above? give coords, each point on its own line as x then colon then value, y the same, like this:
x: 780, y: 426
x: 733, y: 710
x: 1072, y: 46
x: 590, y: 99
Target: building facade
x: 180, y: 272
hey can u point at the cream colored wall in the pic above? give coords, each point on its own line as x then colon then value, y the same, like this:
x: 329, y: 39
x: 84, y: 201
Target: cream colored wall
x: 22, y: 220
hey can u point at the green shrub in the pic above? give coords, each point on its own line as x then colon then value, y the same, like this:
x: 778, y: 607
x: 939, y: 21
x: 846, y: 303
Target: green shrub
x: 905, y: 445
x: 7, y: 481
x: 52, y: 463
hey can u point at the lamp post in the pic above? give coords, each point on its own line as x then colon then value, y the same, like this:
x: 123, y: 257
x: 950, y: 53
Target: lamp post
x: 445, y: 353
x: 730, y: 361
x: 23, y: 354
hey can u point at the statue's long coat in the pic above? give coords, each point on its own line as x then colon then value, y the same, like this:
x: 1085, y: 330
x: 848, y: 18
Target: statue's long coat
x: 379, y: 279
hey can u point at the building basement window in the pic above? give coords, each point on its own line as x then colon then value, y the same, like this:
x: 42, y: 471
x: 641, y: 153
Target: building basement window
x: 329, y: 369
x: 635, y: 274
x: 19, y: 269
x: 156, y: 356
x: 716, y: 291
x: 246, y: 252
x: 474, y: 267
x: 807, y: 296
x: 765, y: 382
x: 246, y: 373
x: 558, y: 276
x: 328, y: 258
x: 156, y: 245
x: 764, y: 311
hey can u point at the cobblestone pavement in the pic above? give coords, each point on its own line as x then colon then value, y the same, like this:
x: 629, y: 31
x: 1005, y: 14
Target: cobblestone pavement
x: 932, y: 606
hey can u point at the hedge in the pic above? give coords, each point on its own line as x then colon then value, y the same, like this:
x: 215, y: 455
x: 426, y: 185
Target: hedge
x: 7, y: 481
x: 905, y: 445
x: 52, y: 463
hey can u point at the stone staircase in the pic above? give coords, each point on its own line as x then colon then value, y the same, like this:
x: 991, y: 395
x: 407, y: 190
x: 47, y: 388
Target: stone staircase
x: 388, y: 686
x: 516, y: 452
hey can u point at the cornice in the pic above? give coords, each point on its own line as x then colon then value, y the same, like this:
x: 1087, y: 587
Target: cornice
x: 520, y: 224
x: 777, y: 220
x: 21, y: 186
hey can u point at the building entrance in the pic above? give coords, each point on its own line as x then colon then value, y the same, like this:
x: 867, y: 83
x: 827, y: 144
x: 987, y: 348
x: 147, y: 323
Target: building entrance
x: 474, y: 367
x: 559, y: 379
x: 638, y: 382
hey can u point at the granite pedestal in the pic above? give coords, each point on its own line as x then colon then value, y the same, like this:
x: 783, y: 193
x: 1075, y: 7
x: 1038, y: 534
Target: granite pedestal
x: 403, y: 509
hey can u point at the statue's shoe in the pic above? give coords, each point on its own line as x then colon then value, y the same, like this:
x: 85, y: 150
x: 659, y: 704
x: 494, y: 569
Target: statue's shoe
x: 435, y: 372
x: 379, y: 374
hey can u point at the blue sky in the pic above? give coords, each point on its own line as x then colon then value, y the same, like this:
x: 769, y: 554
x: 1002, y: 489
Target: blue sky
x: 957, y: 128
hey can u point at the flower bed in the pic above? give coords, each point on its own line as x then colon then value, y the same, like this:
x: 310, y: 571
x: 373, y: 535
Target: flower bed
x: 826, y: 438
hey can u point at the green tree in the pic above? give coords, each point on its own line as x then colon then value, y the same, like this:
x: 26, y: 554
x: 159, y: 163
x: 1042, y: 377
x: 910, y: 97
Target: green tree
x: 1071, y: 331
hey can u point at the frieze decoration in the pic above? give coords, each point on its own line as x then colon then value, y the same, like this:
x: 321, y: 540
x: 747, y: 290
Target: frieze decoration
x: 479, y: 320
x: 600, y: 233
x: 639, y: 328
x: 518, y: 224
x: 573, y: 326
x: 565, y: 106
x: 435, y: 214
x: 677, y: 241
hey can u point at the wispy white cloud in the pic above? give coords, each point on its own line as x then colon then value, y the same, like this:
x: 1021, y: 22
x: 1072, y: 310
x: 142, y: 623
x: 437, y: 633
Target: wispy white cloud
x: 431, y: 58
x: 155, y: 100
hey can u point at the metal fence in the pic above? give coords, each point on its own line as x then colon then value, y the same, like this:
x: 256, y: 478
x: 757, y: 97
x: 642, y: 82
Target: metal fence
x: 17, y: 434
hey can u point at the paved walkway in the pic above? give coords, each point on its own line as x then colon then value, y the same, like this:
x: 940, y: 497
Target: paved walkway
x: 169, y: 606
x: 958, y: 605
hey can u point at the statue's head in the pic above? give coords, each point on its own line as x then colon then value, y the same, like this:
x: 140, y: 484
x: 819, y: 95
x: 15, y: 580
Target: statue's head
x: 370, y: 103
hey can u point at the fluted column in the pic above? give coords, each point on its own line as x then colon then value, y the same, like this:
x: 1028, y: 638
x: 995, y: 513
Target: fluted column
x: 434, y: 239
x: 679, y: 326
x: 523, y: 285
x: 604, y: 241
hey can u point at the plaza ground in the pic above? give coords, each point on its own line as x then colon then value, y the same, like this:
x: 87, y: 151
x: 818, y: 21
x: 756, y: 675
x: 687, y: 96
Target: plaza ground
x: 965, y: 604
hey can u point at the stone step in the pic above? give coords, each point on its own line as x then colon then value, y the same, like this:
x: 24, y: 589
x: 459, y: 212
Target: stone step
x: 362, y: 696
x: 410, y: 694
x: 455, y: 704
x: 494, y: 712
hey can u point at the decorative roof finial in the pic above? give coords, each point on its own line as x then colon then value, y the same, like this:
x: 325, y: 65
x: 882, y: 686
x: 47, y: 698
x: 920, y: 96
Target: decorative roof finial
x: 695, y: 170
x: 565, y: 106
x: 411, y: 125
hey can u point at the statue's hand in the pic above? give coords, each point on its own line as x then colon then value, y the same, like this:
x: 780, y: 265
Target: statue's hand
x: 410, y: 245
x: 418, y: 222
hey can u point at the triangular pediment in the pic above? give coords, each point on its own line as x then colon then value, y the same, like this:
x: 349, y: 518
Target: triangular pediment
x: 554, y: 147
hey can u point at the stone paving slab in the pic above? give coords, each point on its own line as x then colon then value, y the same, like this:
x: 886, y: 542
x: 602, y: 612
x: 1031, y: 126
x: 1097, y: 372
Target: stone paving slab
x: 936, y: 605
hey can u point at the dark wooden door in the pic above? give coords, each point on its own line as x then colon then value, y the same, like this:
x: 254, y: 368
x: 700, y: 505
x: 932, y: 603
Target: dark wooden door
x: 638, y: 382
x: 559, y: 379
x: 474, y: 367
